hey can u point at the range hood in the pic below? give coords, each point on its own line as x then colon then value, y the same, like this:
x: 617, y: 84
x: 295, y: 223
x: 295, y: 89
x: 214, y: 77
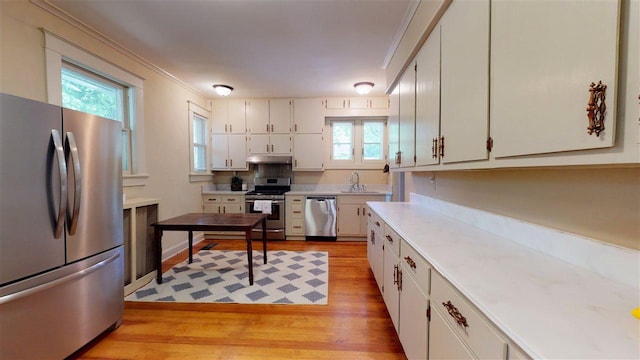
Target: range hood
x: 269, y: 159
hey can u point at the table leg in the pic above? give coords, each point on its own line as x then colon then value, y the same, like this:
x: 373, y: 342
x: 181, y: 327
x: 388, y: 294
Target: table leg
x: 190, y: 246
x: 158, y: 239
x: 264, y: 238
x: 249, y: 254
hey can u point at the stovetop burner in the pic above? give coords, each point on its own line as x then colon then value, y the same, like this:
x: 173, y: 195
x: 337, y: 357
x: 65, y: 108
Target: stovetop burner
x: 270, y: 187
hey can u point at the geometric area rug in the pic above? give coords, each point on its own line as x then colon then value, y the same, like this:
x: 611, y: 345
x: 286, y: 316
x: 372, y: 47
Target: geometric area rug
x: 216, y: 276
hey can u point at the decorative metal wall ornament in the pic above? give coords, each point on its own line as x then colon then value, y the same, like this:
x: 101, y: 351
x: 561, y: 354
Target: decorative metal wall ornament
x: 596, y: 108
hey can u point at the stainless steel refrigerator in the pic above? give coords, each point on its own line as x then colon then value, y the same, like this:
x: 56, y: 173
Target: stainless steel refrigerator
x: 61, y: 233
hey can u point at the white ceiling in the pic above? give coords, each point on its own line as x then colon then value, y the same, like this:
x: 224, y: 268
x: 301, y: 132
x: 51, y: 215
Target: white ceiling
x: 262, y: 48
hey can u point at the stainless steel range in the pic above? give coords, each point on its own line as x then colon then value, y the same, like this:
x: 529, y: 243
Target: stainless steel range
x: 268, y: 197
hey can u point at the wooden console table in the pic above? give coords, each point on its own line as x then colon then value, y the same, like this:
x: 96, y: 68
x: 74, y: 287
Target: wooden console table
x: 212, y: 222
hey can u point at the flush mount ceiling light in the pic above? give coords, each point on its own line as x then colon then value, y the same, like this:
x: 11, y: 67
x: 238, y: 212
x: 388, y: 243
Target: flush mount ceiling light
x: 222, y: 90
x: 363, y: 87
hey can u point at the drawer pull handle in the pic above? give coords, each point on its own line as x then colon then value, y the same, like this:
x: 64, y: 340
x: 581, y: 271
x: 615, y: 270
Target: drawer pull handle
x: 389, y: 238
x: 455, y: 314
x: 297, y: 227
x: 231, y: 199
x: 410, y: 261
x: 297, y: 212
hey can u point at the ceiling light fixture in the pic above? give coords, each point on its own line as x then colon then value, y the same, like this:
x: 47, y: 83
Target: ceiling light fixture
x: 222, y: 90
x: 363, y: 87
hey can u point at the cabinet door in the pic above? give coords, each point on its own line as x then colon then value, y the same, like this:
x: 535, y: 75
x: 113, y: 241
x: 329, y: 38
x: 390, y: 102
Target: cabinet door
x: 257, y: 116
x: 390, y: 289
x: 280, y: 116
x: 219, y: 124
x: 232, y: 209
x: 379, y: 102
x: 428, y: 99
x: 280, y: 144
x: 212, y: 208
x: 336, y: 103
x: 465, y: 83
x: 349, y: 218
x: 540, y: 74
x: 443, y: 342
x: 359, y: 103
x: 219, y: 151
x: 308, y: 116
x: 414, y: 323
x: 408, y: 117
x: 237, y: 152
x: 236, y: 116
x: 393, y: 126
x: 308, y: 152
x: 258, y: 144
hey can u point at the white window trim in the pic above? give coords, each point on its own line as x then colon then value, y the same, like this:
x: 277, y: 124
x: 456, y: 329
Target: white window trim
x: 206, y: 175
x: 57, y: 50
x: 357, y: 162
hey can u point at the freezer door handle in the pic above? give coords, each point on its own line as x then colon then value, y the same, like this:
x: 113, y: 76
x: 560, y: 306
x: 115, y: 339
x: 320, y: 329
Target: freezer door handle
x: 57, y: 282
x: 73, y: 212
x: 62, y: 170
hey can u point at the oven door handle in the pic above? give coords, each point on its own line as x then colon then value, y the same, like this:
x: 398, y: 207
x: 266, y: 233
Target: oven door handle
x: 273, y: 202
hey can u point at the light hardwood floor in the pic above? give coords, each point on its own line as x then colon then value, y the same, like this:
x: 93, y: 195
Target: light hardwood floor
x: 354, y: 325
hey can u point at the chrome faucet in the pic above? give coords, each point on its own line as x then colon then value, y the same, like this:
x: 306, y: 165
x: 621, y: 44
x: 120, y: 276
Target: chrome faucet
x: 356, y: 186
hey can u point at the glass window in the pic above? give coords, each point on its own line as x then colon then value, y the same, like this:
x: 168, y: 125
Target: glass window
x: 199, y: 143
x: 89, y: 92
x: 342, y: 140
x: 373, y: 140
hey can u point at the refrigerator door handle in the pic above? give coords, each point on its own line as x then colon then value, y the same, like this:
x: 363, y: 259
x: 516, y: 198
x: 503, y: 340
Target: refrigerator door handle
x: 72, y: 213
x: 62, y: 170
x: 71, y: 277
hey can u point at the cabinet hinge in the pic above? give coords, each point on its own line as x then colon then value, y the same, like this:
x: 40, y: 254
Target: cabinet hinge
x: 415, y: 67
x: 415, y: 159
x: 489, y: 144
x: 429, y: 313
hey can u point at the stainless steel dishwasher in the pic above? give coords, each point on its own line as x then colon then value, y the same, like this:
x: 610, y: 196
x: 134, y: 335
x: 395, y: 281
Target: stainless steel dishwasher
x: 320, y: 217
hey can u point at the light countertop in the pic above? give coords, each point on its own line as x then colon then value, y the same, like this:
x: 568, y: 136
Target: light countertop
x: 555, y: 302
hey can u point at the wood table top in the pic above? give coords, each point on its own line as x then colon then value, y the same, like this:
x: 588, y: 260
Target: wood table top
x: 206, y: 221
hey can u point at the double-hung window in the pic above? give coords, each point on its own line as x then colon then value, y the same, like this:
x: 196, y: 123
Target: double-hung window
x: 357, y: 143
x: 89, y: 92
x: 82, y: 81
x: 199, y: 142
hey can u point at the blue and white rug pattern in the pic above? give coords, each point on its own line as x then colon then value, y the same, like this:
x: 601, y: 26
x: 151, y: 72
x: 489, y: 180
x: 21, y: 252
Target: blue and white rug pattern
x: 289, y: 277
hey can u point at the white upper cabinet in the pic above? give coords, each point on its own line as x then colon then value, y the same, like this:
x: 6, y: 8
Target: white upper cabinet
x: 464, y: 127
x: 428, y: 100
x: 280, y: 114
x: 544, y: 56
x: 408, y: 117
x: 269, y: 144
x: 257, y: 111
x: 360, y: 102
x: 228, y: 116
x: 393, y: 126
x: 228, y: 152
x: 308, y: 154
x: 308, y: 116
x: 266, y: 116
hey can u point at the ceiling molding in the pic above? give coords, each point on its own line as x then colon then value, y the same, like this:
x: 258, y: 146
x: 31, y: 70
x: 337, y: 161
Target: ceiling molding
x: 105, y: 40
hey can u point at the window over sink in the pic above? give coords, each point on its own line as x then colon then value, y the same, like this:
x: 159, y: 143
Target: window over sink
x: 356, y: 143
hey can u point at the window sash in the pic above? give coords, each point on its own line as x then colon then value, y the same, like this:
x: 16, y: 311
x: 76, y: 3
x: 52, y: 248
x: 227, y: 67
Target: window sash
x: 342, y: 138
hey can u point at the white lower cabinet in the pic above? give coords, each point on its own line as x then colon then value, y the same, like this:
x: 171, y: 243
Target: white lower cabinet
x: 294, y: 219
x: 414, y: 321
x: 390, y: 292
x: 432, y: 318
x: 443, y: 342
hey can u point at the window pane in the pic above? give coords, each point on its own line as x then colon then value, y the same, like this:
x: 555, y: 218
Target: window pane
x: 199, y: 158
x: 373, y: 140
x: 84, y: 93
x: 199, y: 130
x: 342, y: 138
